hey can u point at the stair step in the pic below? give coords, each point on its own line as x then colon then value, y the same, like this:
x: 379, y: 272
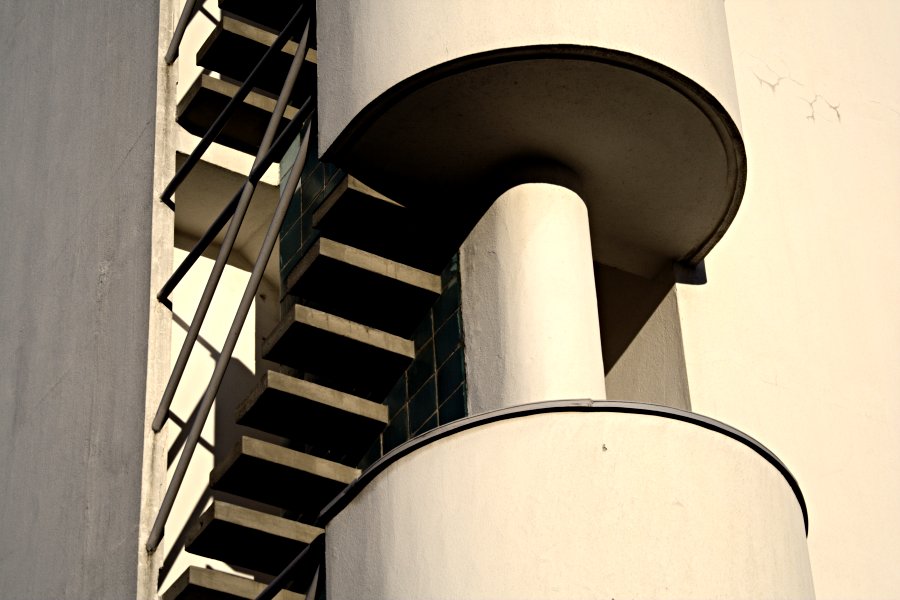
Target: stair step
x: 357, y: 215
x: 243, y: 537
x: 281, y: 477
x: 271, y: 15
x: 197, y: 583
x: 206, y: 99
x: 363, y: 287
x: 235, y: 46
x: 339, y: 353
x: 331, y: 423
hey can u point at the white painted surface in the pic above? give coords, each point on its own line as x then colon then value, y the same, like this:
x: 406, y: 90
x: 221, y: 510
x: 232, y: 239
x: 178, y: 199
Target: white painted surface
x: 367, y: 46
x: 532, y: 330
x: 573, y: 505
x: 796, y: 338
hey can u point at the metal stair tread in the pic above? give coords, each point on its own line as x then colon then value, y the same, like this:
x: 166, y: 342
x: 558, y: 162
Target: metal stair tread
x: 197, y: 583
x: 280, y: 476
x: 206, y: 99
x: 348, y: 356
x: 248, y: 538
x: 334, y: 276
x: 329, y: 421
x: 235, y: 46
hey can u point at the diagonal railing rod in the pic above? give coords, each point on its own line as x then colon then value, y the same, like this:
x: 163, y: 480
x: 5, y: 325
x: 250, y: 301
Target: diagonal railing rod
x: 230, y: 237
x: 187, y: 13
x: 219, y: 124
x: 259, y: 267
x: 283, y: 578
x: 202, y: 10
x: 278, y: 147
x: 289, y: 133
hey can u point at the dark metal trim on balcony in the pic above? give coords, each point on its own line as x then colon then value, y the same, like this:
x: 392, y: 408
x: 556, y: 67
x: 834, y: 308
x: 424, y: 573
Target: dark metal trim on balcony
x: 525, y: 410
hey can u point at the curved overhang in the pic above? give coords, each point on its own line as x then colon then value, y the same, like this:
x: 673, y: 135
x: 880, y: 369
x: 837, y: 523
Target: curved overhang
x: 657, y: 158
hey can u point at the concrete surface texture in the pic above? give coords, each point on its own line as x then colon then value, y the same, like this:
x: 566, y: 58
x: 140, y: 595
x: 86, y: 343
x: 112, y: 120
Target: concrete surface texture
x: 528, y: 300
x: 76, y: 165
x: 796, y: 338
x: 573, y: 506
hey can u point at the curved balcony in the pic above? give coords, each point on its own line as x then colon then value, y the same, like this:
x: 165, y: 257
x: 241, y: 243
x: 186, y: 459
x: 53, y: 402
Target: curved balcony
x: 572, y: 499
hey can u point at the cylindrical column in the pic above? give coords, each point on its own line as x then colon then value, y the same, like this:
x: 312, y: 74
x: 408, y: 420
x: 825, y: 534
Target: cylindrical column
x: 529, y: 304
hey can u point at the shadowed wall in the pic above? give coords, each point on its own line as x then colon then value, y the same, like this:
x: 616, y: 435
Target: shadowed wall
x: 76, y: 166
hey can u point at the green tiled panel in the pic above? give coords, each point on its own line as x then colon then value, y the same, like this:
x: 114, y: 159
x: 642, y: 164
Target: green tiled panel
x: 422, y: 405
x: 432, y: 390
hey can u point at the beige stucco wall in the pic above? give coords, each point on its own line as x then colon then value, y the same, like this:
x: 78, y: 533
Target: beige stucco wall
x: 796, y: 338
x: 571, y: 506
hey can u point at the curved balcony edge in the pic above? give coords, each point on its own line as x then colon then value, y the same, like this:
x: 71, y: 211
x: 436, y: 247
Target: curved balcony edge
x: 558, y: 406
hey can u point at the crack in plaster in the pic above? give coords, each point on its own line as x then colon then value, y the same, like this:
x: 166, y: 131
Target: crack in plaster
x: 766, y: 80
x: 812, y: 107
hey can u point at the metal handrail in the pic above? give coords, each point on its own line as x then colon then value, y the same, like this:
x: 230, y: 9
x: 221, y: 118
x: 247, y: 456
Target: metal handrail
x: 290, y: 132
x: 187, y: 13
x: 231, y: 235
x: 250, y: 291
x: 219, y: 124
x: 317, y: 546
x: 236, y: 219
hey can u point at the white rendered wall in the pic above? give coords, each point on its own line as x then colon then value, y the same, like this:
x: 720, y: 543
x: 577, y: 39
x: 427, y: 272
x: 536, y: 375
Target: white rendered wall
x: 571, y: 506
x: 796, y: 338
x: 367, y: 46
x: 528, y: 301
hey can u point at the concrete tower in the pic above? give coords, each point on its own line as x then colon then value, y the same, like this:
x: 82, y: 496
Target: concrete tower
x: 595, y: 133
x: 449, y: 299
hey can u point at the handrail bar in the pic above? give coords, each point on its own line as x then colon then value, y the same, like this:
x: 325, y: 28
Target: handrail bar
x: 231, y: 234
x: 187, y: 13
x: 289, y: 133
x: 219, y: 124
x: 277, y: 584
x: 250, y: 291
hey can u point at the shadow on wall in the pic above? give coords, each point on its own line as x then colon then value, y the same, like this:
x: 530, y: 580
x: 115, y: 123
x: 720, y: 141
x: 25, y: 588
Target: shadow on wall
x: 643, y: 351
x: 236, y: 386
